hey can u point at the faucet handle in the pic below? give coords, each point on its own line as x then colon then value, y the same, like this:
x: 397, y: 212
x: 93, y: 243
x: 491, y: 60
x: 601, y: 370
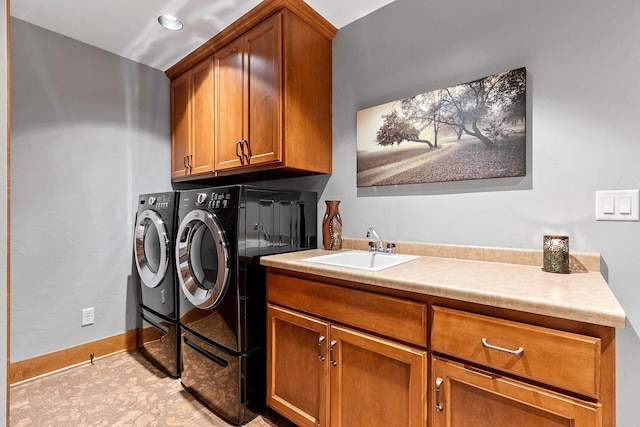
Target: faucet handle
x: 391, y: 247
x: 372, y: 246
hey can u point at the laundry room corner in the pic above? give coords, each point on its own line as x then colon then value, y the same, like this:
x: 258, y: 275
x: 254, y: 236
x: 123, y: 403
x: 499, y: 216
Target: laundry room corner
x: 83, y: 152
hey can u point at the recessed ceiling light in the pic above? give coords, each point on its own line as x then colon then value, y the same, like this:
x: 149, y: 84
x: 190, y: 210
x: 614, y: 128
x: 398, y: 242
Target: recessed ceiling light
x: 170, y: 22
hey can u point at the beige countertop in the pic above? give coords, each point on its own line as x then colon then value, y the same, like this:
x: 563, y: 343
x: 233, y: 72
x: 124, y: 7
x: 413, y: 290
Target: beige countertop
x: 502, y: 278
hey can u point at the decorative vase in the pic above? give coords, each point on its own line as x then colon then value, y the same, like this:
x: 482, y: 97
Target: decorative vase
x: 332, y: 226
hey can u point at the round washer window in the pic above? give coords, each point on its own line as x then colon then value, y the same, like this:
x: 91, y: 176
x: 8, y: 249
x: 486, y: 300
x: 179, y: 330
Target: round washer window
x: 152, y: 248
x: 202, y: 259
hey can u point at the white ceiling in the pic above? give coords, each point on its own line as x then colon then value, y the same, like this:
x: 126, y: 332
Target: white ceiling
x: 129, y: 28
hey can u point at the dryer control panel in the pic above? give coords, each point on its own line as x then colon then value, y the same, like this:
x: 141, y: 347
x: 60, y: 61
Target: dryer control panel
x: 219, y: 199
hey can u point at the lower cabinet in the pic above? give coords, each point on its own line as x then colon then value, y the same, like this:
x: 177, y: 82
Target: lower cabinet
x: 466, y: 396
x: 343, y: 356
x: 321, y: 374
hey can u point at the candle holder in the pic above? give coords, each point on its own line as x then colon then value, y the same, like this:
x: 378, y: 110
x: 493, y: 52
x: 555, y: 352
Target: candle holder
x: 555, y: 254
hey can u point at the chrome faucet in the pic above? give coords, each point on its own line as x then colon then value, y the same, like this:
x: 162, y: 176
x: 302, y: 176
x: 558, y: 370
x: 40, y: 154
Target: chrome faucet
x: 379, y: 247
x: 372, y: 245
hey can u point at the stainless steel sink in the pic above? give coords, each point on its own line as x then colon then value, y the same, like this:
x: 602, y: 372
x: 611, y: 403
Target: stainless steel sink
x: 362, y: 260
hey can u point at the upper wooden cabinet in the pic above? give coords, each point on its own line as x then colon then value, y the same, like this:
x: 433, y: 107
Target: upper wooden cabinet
x: 248, y: 103
x: 271, y: 95
x: 192, y: 122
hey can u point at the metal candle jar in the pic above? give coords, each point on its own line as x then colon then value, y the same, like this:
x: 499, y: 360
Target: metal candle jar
x: 555, y: 251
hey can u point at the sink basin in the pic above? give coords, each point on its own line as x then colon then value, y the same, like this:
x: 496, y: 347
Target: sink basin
x: 371, y: 261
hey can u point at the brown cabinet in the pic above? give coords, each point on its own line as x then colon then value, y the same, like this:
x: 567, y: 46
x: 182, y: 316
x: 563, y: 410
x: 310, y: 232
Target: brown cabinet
x: 344, y: 357
x: 322, y: 374
x: 343, y: 353
x: 466, y: 396
x: 297, y: 378
x: 271, y: 99
x: 543, y: 367
x: 192, y: 122
x: 248, y: 106
x: 375, y: 381
x: 517, y: 348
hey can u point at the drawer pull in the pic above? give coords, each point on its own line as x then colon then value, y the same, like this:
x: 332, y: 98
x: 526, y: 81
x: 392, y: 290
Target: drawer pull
x: 439, y: 382
x: 321, y: 340
x: 517, y: 352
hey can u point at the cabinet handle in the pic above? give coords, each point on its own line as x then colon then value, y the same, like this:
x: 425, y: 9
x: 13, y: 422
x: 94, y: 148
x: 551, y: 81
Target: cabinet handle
x: 186, y: 161
x: 331, y: 346
x: 439, y: 382
x: 190, y: 163
x: 517, y: 352
x: 239, y: 148
x: 248, y: 154
x: 321, y: 341
x: 164, y: 331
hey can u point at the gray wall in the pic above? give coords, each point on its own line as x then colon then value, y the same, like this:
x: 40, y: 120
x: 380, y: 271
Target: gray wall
x: 582, y: 63
x: 90, y: 131
x: 583, y: 106
x: 3, y: 210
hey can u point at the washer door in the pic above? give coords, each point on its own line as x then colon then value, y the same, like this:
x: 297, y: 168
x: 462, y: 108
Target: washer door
x: 202, y: 259
x: 152, y: 248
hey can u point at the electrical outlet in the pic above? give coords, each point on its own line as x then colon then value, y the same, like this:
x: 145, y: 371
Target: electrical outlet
x: 87, y: 316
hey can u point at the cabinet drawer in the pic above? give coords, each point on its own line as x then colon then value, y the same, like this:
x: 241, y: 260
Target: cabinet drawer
x: 561, y: 359
x: 383, y: 315
x: 464, y: 396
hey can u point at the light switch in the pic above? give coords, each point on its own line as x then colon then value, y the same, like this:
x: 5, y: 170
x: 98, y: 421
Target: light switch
x: 625, y: 205
x: 618, y: 205
x: 609, y: 205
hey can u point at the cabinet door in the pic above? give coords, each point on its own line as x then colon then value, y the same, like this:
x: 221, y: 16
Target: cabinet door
x: 376, y: 382
x: 297, y: 366
x: 201, y: 156
x: 229, y: 107
x: 180, y: 125
x: 263, y: 129
x: 463, y: 396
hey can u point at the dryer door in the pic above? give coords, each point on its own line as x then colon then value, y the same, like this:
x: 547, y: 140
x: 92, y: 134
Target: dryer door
x: 202, y: 259
x: 152, y: 248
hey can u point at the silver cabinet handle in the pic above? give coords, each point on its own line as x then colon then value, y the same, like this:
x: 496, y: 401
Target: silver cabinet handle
x: 185, y: 163
x: 240, y: 151
x: 331, y: 346
x: 439, y: 382
x: 247, y: 155
x: 517, y: 352
x: 321, y: 341
x: 189, y: 162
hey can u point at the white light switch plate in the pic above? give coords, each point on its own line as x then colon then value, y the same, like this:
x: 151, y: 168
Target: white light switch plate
x: 618, y: 205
